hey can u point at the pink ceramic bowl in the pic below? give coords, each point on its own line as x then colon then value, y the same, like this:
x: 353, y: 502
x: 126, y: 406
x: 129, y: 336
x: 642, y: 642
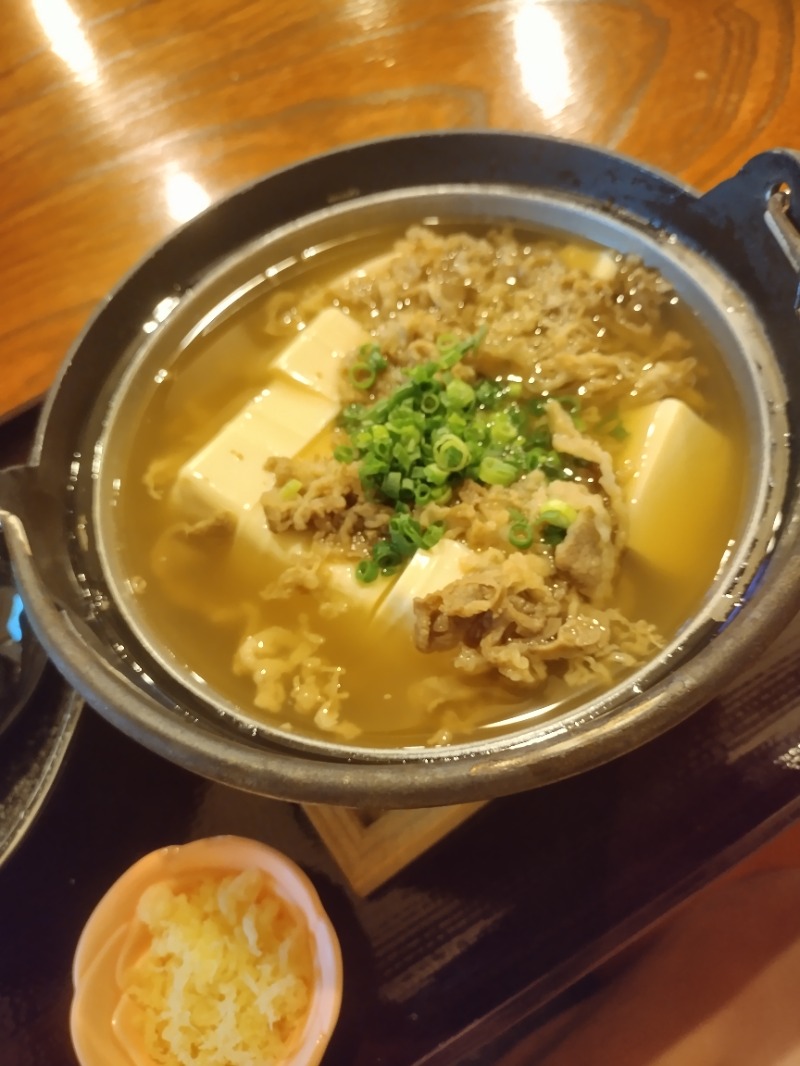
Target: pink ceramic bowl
x: 100, y: 1026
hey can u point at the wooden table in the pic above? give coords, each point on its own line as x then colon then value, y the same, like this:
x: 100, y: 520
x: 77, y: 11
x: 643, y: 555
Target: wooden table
x: 122, y: 118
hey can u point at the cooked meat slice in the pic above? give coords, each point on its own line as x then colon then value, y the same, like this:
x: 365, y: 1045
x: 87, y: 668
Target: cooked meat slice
x: 520, y: 618
x: 588, y: 556
x: 220, y: 526
x: 569, y: 440
x: 323, y: 496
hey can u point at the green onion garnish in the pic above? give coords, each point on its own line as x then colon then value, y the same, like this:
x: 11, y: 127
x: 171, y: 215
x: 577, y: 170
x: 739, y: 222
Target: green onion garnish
x: 362, y: 376
x: 363, y: 373
x: 429, y: 402
x: 371, y: 354
x: 415, y: 445
x: 459, y: 394
x: 291, y: 489
x: 619, y: 432
x: 552, y: 535
x: 450, y: 452
x: 554, y: 520
x: 367, y: 571
x: 495, y: 471
x: 557, y: 513
x: 520, y: 535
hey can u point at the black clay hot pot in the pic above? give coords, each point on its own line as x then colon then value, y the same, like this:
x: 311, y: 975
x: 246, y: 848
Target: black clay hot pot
x: 732, y: 254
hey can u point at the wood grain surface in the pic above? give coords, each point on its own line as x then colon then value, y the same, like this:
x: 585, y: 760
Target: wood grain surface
x: 120, y: 119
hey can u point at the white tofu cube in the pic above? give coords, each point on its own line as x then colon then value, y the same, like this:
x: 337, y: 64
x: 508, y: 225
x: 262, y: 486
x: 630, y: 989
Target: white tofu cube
x: 427, y: 572
x: 342, y: 580
x: 599, y: 262
x: 372, y: 268
x: 254, y: 536
x: 673, y: 468
x: 228, y: 473
x: 289, y: 418
x: 314, y: 359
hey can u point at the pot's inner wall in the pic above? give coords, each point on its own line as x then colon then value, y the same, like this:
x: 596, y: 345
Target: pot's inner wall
x: 724, y: 314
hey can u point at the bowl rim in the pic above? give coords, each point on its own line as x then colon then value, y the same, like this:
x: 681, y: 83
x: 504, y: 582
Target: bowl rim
x: 738, y: 325
x: 415, y: 782
x: 103, y: 932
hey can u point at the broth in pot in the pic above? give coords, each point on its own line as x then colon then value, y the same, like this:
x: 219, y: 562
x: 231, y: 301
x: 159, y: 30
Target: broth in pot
x: 430, y: 485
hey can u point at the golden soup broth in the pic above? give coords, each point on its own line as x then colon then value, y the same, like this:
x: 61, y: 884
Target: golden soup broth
x: 199, y: 599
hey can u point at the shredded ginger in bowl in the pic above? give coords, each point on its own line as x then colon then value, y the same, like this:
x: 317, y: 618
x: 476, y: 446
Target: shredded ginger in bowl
x: 228, y: 975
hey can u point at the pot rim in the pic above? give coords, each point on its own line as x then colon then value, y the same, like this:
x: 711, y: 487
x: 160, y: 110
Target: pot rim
x: 417, y: 781
x: 239, y: 279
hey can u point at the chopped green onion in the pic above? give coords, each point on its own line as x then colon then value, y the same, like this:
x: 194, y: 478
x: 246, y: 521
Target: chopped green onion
x: 457, y: 423
x: 391, y: 484
x: 502, y: 429
x: 571, y: 404
x: 487, y: 393
x: 362, y: 376
x: 459, y: 393
x: 433, y: 534
x: 403, y: 457
x: 291, y: 489
x: 454, y: 350
x: 557, y: 513
x: 441, y: 494
x: 435, y: 474
x: 520, y: 534
x: 423, y: 372
x: 619, y: 432
x: 405, y: 534
x: 552, y: 535
x: 415, y: 445
x: 429, y: 403
x: 367, y: 571
x: 385, y: 554
x: 494, y: 471
x: 450, y: 358
x: 371, y: 354
x: 450, y: 452
x: 552, y: 465
x: 446, y: 341
x: 407, y: 488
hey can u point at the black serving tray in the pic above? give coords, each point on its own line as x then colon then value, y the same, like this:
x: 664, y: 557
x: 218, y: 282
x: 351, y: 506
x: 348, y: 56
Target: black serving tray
x: 466, y: 946
x: 466, y: 949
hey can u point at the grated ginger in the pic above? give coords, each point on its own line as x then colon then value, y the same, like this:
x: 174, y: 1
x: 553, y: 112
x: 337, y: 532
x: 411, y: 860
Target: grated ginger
x: 226, y: 980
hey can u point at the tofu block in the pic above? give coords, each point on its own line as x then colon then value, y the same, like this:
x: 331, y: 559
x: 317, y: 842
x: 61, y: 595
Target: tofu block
x: 254, y: 538
x: 342, y: 580
x: 673, y: 467
x: 372, y: 268
x: 599, y: 262
x: 427, y: 572
x: 228, y: 473
x: 314, y: 359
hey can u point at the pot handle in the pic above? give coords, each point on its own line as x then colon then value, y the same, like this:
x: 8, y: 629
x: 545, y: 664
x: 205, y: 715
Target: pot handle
x: 22, y: 658
x: 784, y: 228
x: 756, y: 214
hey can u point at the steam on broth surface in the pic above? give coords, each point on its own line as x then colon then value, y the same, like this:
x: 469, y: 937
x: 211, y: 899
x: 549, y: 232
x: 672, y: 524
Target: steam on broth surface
x: 432, y: 485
